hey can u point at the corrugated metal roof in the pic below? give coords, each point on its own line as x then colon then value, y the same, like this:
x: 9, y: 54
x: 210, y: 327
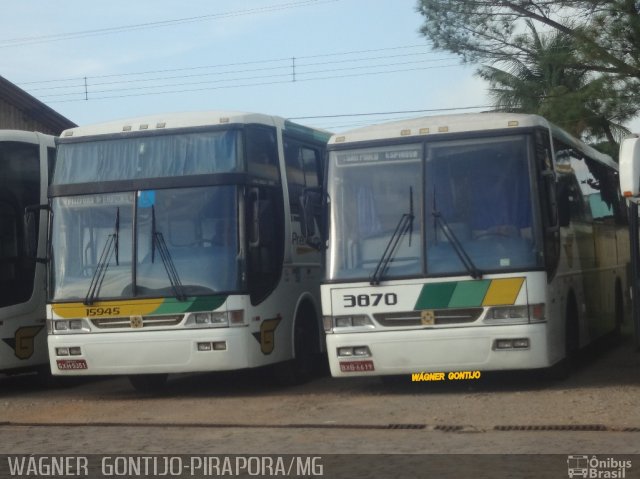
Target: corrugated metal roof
x: 33, y: 107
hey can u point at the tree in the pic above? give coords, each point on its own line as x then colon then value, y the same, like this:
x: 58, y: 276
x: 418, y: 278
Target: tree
x: 598, y: 71
x: 546, y: 81
x: 606, y: 32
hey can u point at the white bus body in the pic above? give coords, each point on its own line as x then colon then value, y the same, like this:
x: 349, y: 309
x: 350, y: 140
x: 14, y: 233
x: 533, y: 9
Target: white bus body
x: 204, y: 266
x: 471, y: 242
x: 630, y: 189
x: 25, y: 160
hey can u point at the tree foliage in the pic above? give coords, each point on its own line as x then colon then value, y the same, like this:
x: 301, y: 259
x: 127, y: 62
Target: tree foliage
x: 545, y: 81
x: 606, y: 32
x: 574, y: 61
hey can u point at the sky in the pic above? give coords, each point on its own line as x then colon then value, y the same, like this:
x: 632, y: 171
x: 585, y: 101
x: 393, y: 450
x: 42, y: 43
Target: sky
x: 313, y: 60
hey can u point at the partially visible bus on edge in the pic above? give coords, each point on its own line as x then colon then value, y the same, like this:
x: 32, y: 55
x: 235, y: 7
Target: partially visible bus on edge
x: 470, y: 242
x: 630, y: 187
x: 177, y: 247
x: 26, y: 159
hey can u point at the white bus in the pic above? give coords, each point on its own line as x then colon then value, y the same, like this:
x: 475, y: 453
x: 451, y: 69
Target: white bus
x: 470, y: 242
x: 630, y: 188
x: 177, y: 247
x: 25, y: 161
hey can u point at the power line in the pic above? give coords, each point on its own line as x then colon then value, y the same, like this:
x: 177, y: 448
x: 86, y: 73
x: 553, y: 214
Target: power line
x: 159, y: 24
x: 367, y: 62
x: 258, y: 72
x: 286, y: 75
x: 243, y: 85
x: 400, y: 112
x: 244, y: 63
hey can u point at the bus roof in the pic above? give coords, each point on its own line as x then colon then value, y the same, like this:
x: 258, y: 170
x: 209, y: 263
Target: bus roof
x: 460, y: 123
x: 167, y: 121
x: 26, y: 137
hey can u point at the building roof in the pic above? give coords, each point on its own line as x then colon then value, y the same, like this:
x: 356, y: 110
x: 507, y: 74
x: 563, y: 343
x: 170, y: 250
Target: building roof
x: 33, y: 107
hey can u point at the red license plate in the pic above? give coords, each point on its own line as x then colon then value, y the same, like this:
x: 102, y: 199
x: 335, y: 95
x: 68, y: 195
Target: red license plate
x: 356, y: 366
x: 72, y: 364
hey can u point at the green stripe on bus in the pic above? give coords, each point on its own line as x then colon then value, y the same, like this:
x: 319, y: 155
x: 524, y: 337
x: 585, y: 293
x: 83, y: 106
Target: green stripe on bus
x: 469, y: 293
x: 435, y: 295
x: 201, y: 303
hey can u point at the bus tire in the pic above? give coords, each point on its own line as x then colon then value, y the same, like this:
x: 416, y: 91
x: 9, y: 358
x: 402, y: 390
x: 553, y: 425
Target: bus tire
x: 306, y: 338
x: 148, y: 383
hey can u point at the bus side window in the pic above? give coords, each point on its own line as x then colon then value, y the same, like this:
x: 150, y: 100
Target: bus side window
x: 19, y: 188
x: 262, y: 152
x: 303, y: 171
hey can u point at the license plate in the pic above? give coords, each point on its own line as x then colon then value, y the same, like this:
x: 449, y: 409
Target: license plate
x: 72, y: 364
x: 356, y: 366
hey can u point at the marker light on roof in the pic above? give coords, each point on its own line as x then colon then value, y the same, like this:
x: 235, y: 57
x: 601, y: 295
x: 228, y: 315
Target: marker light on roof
x: 443, y: 129
x: 513, y: 123
x: 405, y: 132
x: 424, y: 131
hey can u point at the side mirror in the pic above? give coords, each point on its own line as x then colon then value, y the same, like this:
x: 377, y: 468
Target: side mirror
x: 261, y: 227
x: 311, y: 214
x: 31, y: 228
x: 550, y: 186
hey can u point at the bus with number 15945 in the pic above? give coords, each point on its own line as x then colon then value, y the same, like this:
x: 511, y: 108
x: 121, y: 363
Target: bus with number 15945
x: 176, y: 246
x: 471, y: 242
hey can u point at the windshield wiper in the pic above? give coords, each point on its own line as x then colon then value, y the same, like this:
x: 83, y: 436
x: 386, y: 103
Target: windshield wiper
x: 110, y: 247
x: 158, y: 242
x: 474, y: 272
x: 404, y: 225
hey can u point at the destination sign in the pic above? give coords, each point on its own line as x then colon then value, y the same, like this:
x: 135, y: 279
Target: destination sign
x: 357, y: 157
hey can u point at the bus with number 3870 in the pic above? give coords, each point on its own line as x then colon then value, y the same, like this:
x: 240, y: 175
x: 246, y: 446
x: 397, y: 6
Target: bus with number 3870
x: 471, y: 242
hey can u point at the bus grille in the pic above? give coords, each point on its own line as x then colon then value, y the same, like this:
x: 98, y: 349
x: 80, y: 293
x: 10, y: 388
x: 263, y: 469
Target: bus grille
x: 147, y: 322
x: 442, y: 317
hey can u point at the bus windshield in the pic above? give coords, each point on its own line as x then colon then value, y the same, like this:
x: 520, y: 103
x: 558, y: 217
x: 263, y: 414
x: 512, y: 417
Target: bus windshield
x: 154, y: 156
x: 479, y: 189
x: 150, y: 243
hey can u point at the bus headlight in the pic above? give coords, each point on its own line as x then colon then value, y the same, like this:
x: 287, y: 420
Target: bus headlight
x: 216, y: 319
x: 355, y: 321
x: 211, y: 320
x: 68, y: 326
x: 533, y: 313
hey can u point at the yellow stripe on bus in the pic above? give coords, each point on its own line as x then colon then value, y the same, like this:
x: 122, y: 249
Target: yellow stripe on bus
x: 503, y: 291
x: 107, y: 309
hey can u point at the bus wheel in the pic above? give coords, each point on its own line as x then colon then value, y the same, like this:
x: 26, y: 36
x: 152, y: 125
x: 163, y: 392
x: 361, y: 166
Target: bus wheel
x: 148, y: 383
x: 305, y: 341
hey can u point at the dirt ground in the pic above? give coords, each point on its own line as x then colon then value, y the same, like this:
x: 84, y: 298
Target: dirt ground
x: 604, y: 391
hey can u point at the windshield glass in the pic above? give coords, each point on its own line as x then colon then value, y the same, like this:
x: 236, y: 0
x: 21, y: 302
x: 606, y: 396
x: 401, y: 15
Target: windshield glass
x: 148, y: 157
x: 370, y: 190
x: 197, y: 227
x: 479, y: 187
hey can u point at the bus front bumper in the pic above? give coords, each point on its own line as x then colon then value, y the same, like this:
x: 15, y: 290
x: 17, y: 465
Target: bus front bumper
x: 448, y: 350
x: 153, y: 352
